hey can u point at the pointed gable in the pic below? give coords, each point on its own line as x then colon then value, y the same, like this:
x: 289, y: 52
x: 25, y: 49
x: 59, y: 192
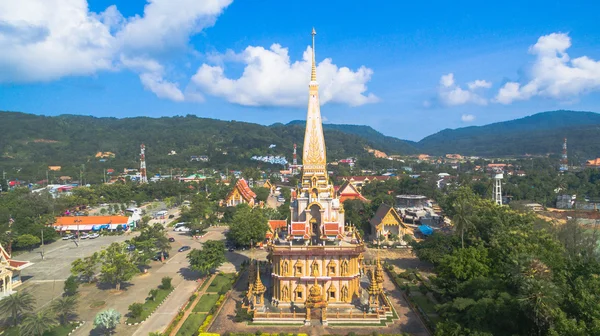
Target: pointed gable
x: 243, y: 191
x: 348, y: 191
x: 386, y: 215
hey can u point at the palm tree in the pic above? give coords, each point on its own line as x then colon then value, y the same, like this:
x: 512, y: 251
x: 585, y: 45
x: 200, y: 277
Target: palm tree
x: 38, y: 323
x: 14, y: 305
x: 462, y: 218
x: 65, y: 309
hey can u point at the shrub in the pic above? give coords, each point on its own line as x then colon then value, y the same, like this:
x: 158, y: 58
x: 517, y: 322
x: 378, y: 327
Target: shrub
x: 71, y: 286
x: 152, y: 294
x: 136, y: 309
x: 205, y: 324
x: 423, y: 289
x: 165, y: 283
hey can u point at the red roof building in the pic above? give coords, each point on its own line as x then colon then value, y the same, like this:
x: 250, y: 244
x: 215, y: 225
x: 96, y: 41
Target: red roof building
x: 241, y: 193
x: 10, y: 272
x: 275, y: 225
x: 348, y: 191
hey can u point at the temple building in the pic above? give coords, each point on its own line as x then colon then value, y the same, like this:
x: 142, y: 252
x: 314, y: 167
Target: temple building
x: 347, y: 191
x: 10, y: 272
x: 241, y: 193
x: 387, y: 222
x: 316, y: 265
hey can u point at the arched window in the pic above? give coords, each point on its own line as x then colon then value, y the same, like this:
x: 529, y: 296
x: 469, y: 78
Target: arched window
x: 331, y: 268
x: 344, y: 268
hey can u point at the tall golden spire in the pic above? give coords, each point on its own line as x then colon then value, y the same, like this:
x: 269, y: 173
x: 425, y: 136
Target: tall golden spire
x: 313, y: 72
x: 313, y: 154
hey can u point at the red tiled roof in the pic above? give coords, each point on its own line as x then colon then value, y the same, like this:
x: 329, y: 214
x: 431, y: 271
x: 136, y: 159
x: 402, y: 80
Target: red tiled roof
x: 90, y: 220
x: 244, y: 190
x: 595, y: 162
x: 275, y: 224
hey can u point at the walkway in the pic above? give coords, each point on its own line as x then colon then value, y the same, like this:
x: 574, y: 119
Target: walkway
x: 189, y: 311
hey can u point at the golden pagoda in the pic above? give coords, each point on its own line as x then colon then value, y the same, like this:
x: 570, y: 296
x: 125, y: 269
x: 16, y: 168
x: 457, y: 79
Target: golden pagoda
x: 379, y: 272
x: 373, y: 290
x: 258, y: 289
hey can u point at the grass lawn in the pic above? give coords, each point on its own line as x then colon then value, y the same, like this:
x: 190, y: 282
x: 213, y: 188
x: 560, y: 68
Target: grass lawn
x: 150, y: 305
x: 413, y: 288
x: 205, y: 283
x: 207, y: 301
x: 191, y: 324
x: 221, y: 283
x: 55, y: 331
x: 425, y: 304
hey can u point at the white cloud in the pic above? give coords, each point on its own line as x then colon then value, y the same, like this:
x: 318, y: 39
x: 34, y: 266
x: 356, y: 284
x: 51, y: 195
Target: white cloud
x: 43, y: 40
x: 554, y: 74
x: 479, y: 84
x: 467, y: 117
x: 451, y: 94
x: 270, y: 78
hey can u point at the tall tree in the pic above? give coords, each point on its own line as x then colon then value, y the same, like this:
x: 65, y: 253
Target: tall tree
x: 248, y: 225
x: 117, y: 265
x: 209, y: 258
x: 16, y: 304
x: 86, y: 267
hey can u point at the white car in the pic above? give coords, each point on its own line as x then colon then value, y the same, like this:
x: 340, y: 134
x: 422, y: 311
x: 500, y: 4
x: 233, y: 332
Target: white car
x: 93, y: 236
x: 67, y: 237
x: 182, y: 229
x: 84, y: 236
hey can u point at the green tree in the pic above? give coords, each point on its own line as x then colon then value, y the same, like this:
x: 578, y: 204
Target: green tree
x: 165, y: 283
x: 65, y: 309
x: 27, y: 241
x: 37, y: 324
x: 136, y: 309
x: 248, y: 225
x: 71, y: 285
x: 209, y: 258
x: 86, y: 267
x: 262, y: 194
x: 106, y: 321
x: 16, y: 304
x: 117, y: 266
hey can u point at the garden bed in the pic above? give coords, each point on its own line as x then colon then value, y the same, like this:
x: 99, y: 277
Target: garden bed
x: 191, y: 324
x: 150, y: 306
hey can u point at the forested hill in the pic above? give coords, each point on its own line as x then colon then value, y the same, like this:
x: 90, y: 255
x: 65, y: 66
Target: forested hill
x: 32, y: 142
x: 382, y: 142
x: 540, y: 133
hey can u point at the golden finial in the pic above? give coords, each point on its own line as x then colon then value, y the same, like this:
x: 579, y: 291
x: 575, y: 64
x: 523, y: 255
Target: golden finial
x: 313, y: 73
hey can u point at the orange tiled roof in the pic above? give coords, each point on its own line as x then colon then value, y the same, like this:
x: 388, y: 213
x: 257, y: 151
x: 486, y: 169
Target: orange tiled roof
x: 595, y: 162
x: 245, y: 190
x: 90, y: 220
x: 275, y: 224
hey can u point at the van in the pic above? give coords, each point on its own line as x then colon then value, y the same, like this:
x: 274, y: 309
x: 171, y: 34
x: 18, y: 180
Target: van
x: 161, y: 213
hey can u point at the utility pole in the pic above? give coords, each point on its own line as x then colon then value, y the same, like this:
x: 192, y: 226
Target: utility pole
x: 42, y: 244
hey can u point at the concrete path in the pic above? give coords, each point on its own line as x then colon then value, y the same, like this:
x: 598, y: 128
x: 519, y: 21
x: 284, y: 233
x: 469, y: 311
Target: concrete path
x: 166, y: 312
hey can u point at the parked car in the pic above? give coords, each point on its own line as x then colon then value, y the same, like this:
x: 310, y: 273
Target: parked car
x: 171, y: 239
x: 130, y: 248
x: 157, y: 257
x: 67, y: 237
x: 231, y: 249
x: 182, y: 229
x: 84, y: 236
x: 171, y: 216
x: 184, y: 248
x: 94, y: 236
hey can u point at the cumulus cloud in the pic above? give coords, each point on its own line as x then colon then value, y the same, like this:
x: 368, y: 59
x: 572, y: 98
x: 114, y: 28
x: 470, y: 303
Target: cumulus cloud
x: 554, y: 74
x: 467, y: 118
x: 451, y: 94
x: 270, y: 78
x: 43, y: 40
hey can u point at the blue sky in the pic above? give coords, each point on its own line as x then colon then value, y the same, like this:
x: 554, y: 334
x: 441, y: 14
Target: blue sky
x: 407, y: 69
